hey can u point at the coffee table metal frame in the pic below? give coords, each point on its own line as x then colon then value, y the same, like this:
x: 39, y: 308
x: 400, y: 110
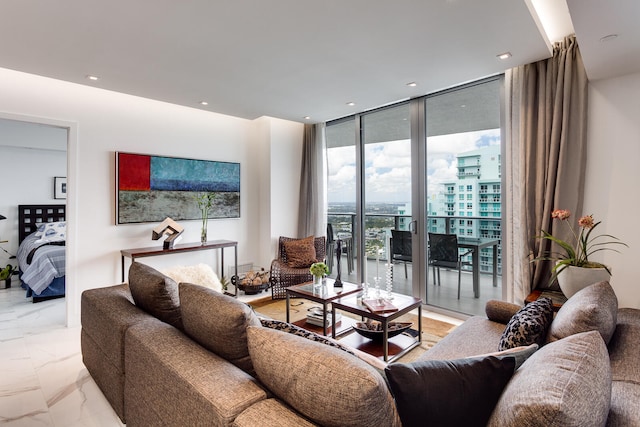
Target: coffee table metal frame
x: 321, y: 294
x: 404, y: 303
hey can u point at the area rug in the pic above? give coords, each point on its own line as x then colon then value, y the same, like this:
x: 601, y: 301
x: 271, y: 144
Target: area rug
x: 432, y: 330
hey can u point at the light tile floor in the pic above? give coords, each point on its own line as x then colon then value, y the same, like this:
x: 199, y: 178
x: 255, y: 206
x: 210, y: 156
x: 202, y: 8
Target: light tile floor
x: 43, y: 381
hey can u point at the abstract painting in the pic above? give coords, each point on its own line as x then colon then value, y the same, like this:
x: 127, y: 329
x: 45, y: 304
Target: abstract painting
x: 151, y: 188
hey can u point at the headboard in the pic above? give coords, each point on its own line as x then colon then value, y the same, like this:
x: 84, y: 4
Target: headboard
x: 31, y: 216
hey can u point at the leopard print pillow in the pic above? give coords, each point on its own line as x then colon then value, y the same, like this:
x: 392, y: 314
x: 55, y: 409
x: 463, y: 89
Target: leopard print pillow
x: 528, y: 326
x: 296, y: 330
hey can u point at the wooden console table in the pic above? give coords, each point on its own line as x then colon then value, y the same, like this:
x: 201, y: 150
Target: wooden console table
x: 185, y: 247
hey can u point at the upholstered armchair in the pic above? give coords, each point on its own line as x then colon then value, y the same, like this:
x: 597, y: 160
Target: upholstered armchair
x: 291, y: 267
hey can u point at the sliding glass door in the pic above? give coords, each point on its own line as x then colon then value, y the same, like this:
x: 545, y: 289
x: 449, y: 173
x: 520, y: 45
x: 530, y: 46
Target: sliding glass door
x: 428, y: 165
x: 386, y: 138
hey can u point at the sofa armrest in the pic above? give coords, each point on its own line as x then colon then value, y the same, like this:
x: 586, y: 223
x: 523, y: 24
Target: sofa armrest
x: 500, y: 311
x: 171, y: 380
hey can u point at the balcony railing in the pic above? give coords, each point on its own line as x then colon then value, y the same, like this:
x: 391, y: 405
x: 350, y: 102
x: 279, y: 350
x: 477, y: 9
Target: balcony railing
x: 378, y: 228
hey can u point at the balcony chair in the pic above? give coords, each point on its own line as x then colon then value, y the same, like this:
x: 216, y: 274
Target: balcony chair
x: 347, y: 249
x: 283, y: 274
x: 401, y: 248
x: 443, y: 252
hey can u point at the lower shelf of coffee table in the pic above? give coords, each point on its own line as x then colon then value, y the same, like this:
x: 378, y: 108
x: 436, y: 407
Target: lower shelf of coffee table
x: 345, y: 324
x: 397, y: 344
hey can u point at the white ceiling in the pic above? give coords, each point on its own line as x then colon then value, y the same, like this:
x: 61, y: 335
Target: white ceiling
x: 294, y: 58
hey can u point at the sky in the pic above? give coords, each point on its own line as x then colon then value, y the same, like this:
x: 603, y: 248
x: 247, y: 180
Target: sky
x: 388, y: 166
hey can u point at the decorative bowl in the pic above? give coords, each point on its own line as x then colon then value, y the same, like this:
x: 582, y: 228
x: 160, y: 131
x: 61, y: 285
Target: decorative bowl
x: 373, y: 330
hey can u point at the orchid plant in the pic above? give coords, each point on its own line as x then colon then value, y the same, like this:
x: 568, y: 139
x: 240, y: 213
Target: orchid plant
x: 577, y: 252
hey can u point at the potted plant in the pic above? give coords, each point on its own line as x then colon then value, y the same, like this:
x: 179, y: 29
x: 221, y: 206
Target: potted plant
x: 5, y: 275
x: 318, y: 270
x: 572, y: 268
x: 205, y: 202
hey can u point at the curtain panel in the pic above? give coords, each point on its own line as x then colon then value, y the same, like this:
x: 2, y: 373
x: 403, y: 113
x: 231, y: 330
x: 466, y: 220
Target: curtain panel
x: 312, y: 208
x: 546, y: 136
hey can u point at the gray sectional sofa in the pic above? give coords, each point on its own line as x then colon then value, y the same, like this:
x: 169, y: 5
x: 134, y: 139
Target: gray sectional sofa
x: 184, y: 355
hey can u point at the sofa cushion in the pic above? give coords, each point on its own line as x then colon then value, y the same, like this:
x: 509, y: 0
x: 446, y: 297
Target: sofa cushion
x: 155, y: 293
x: 594, y: 308
x: 324, y: 384
x: 461, y: 392
x: 300, y: 252
x: 565, y: 383
x: 218, y: 323
x: 529, y: 325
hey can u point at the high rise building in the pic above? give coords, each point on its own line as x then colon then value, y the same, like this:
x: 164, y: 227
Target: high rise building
x: 472, y: 201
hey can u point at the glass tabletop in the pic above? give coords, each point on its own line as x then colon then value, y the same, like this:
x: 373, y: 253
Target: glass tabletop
x: 325, y: 292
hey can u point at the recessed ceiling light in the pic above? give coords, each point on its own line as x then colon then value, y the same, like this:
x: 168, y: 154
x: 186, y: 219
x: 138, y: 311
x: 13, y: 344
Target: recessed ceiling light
x: 307, y: 117
x: 412, y: 84
x: 93, y: 78
x: 351, y: 104
x: 204, y: 103
x: 609, y: 37
x: 505, y: 55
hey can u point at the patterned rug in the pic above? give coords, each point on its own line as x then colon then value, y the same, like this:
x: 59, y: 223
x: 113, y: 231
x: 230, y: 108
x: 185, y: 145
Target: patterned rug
x: 432, y: 330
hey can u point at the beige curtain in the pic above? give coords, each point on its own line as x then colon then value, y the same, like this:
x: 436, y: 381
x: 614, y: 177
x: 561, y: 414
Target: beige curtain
x: 546, y: 136
x: 312, y: 215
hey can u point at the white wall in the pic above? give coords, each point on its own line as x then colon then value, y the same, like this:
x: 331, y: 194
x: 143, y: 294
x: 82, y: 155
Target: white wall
x: 27, y: 177
x: 102, y: 122
x: 613, y: 174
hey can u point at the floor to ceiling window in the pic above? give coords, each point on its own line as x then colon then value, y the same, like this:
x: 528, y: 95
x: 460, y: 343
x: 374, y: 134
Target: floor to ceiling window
x: 446, y: 145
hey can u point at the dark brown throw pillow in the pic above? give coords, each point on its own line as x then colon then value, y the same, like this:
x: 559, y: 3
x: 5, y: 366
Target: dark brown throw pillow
x: 300, y: 252
x: 155, y: 293
x: 461, y: 392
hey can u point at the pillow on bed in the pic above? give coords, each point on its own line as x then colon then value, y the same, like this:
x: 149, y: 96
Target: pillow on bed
x: 52, y: 232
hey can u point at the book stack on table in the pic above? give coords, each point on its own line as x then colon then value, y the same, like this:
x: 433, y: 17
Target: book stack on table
x: 314, y: 317
x: 379, y: 305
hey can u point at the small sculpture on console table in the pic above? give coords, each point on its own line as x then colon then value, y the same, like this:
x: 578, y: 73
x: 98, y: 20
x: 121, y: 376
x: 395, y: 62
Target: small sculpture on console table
x: 338, y: 282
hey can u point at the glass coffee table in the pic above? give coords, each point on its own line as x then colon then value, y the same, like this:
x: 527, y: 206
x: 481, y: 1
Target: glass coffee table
x: 395, y: 346
x: 324, y: 295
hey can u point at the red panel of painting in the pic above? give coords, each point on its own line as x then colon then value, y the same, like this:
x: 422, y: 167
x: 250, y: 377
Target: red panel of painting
x: 134, y: 172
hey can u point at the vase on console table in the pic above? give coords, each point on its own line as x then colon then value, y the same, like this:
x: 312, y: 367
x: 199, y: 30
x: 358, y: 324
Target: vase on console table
x: 203, y: 232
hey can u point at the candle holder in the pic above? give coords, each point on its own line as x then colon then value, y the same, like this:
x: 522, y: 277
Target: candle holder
x: 389, y: 279
x: 376, y: 282
x: 365, y: 290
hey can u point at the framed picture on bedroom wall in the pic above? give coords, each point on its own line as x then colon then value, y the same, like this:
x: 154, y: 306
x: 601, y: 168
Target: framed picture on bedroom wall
x: 60, y: 187
x: 151, y: 188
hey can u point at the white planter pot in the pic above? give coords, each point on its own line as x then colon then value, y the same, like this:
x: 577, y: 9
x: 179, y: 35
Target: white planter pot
x: 572, y: 279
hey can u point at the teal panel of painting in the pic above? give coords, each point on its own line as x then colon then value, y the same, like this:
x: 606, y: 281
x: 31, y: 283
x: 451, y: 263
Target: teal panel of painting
x: 150, y: 188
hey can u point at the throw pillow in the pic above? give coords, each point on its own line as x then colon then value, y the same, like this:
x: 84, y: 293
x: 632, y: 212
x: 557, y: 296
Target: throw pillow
x: 155, y: 293
x: 218, y: 323
x: 300, y: 252
x: 201, y: 274
x: 529, y: 325
x: 520, y: 354
x: 461, y: 392
x: 51, y: 232
x: 324, y: 384
x: 565, y: 383
x: 296, y: 330
x: 594, y: 308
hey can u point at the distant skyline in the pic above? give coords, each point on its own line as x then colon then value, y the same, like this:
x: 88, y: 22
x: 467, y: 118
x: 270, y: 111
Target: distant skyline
x: 388, y: 166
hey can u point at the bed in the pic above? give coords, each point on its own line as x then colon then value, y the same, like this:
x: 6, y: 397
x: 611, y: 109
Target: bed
x: 41, y: 255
